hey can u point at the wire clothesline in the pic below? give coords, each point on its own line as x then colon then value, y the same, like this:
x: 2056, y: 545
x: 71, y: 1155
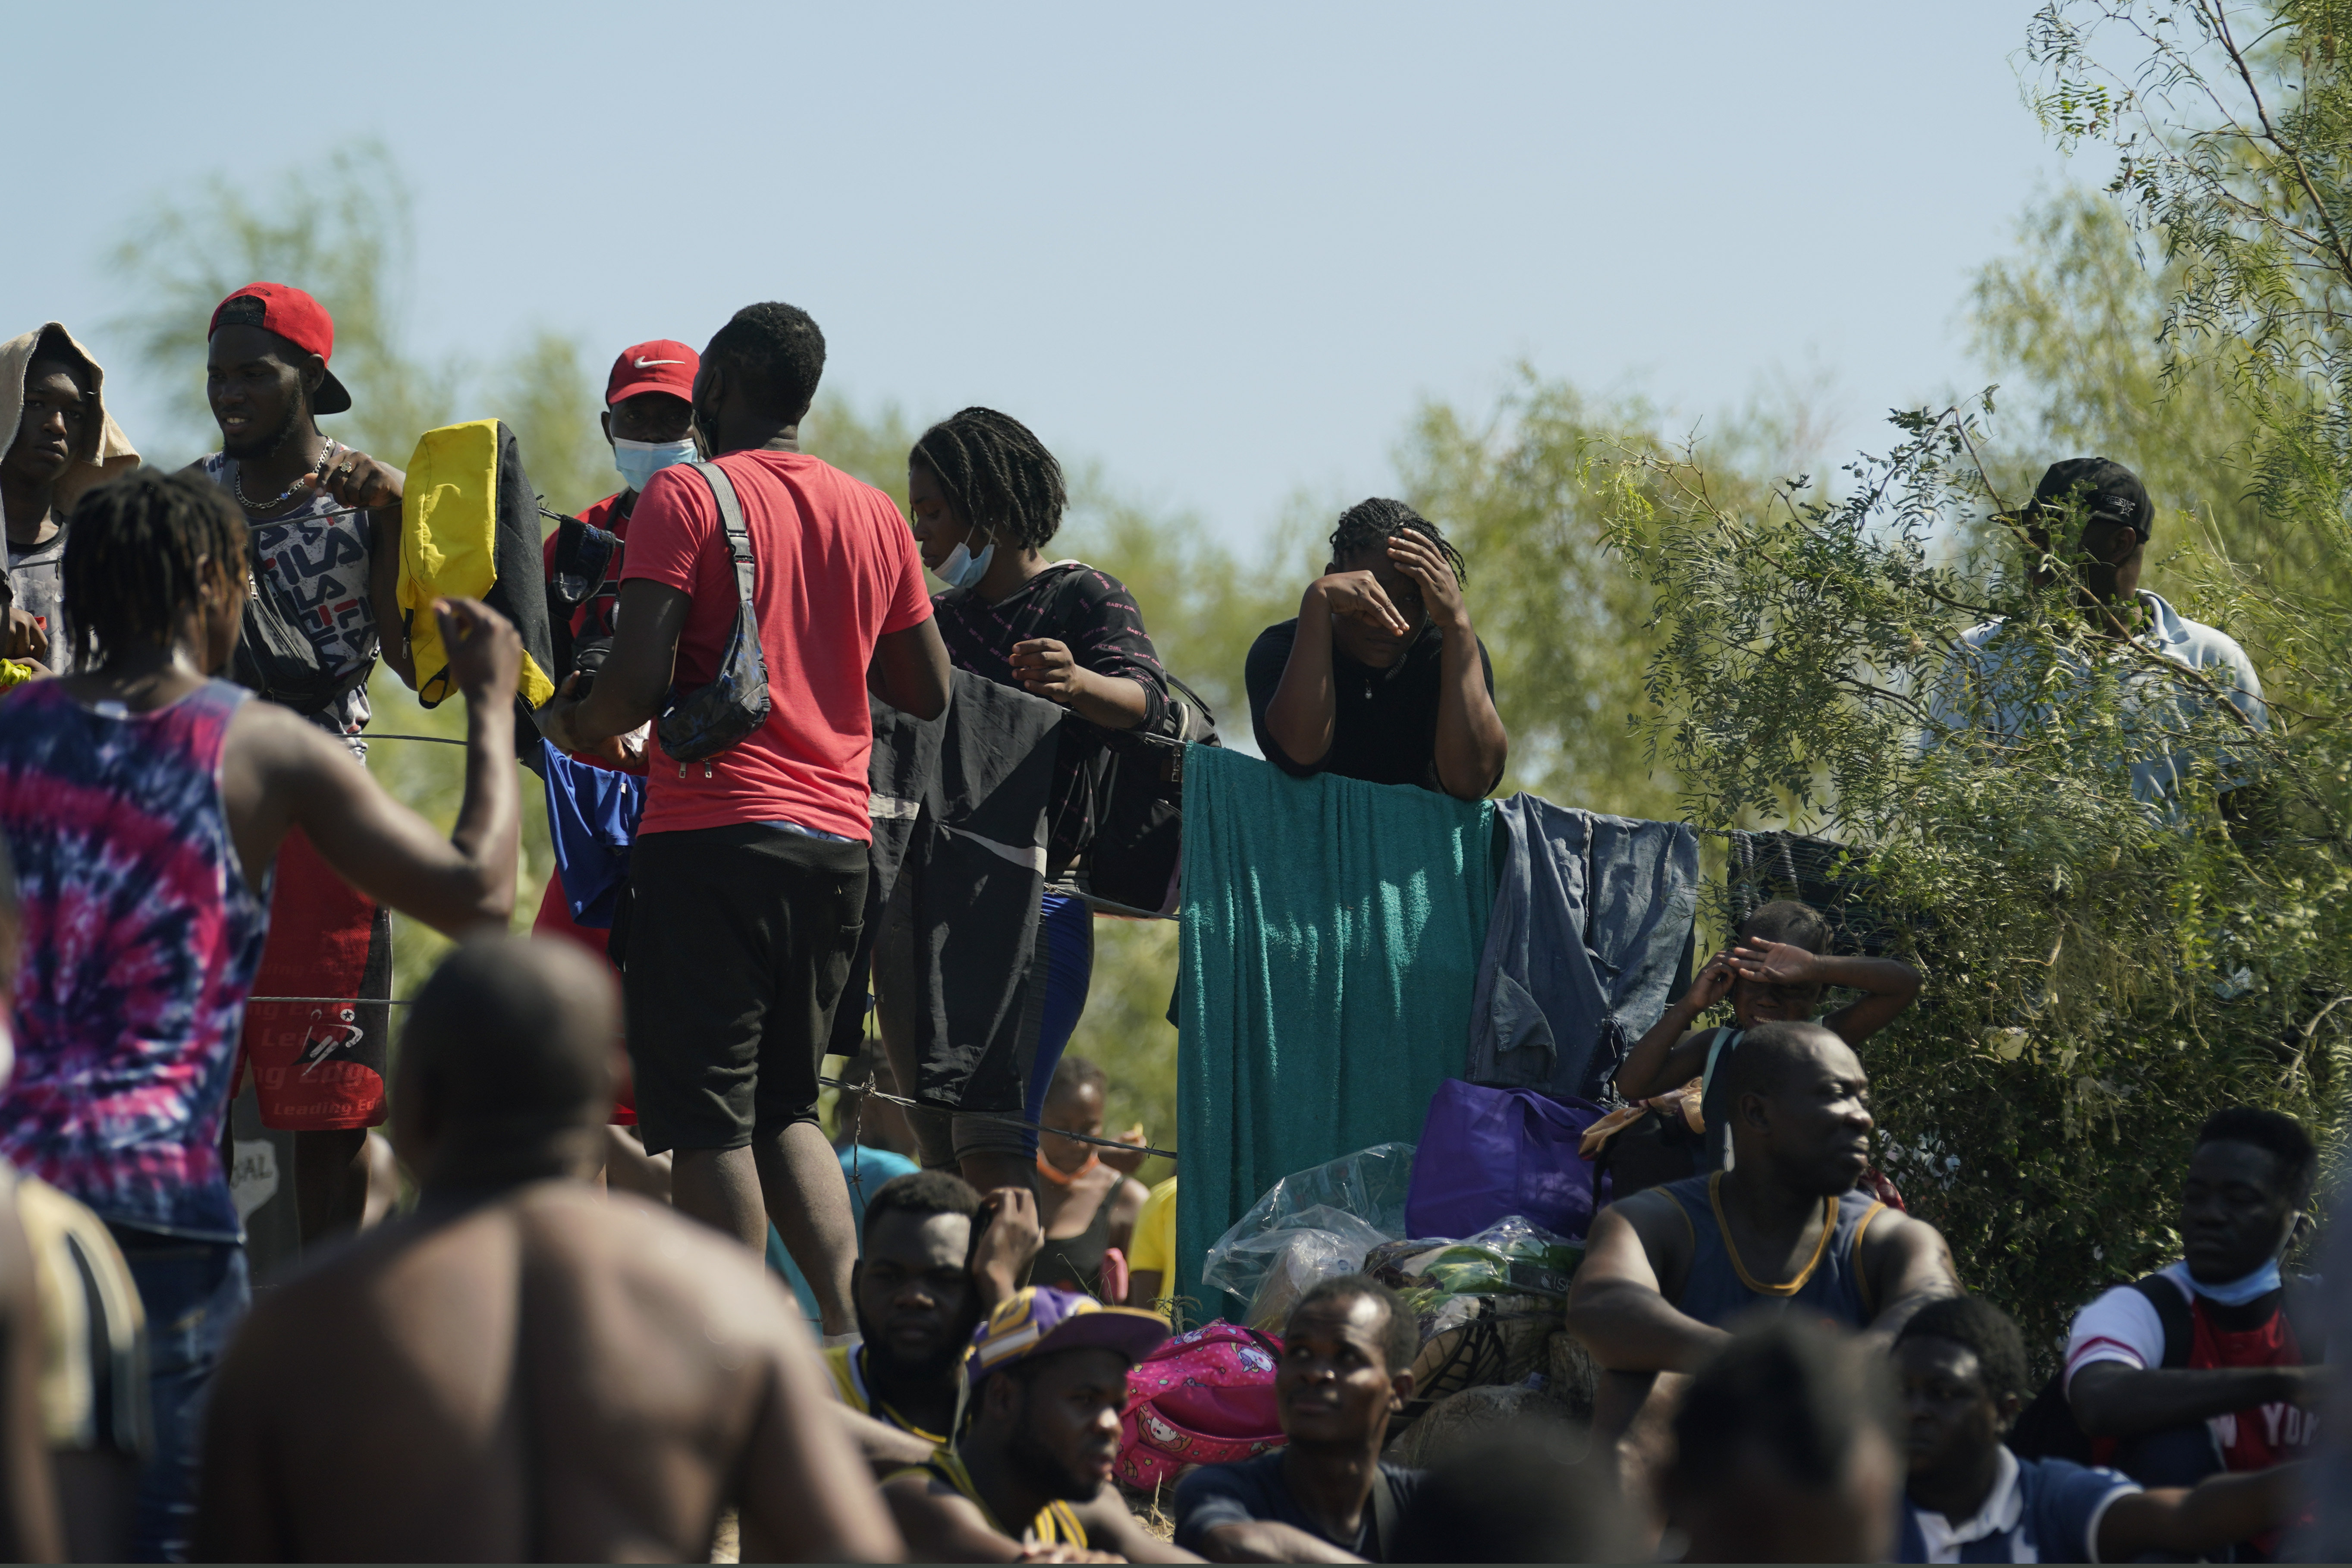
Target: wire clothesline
x: 866, y: 1089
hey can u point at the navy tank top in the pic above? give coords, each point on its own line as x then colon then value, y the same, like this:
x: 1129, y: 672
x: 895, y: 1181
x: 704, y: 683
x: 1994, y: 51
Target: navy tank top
x: 1718, y: 1288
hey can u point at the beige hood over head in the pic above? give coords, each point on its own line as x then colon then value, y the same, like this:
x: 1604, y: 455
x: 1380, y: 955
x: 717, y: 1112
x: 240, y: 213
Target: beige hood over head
x: 106, y: 450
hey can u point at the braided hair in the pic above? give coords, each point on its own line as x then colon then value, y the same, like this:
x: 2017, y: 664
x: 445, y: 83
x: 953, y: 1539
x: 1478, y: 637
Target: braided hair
x: 140, y: 552
x: 1371, y: 524
x: 1001, y: 476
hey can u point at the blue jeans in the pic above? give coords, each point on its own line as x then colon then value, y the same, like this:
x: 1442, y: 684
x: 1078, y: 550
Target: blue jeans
x: 194, y: 1294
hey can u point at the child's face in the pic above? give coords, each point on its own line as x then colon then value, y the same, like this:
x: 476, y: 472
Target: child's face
x: 1754, y: 1002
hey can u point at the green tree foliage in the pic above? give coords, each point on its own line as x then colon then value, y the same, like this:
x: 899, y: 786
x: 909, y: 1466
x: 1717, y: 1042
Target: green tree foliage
x: 550, y: 396
x: 2103, y: 974
x: 2076, y: 327
x: 340, y: 230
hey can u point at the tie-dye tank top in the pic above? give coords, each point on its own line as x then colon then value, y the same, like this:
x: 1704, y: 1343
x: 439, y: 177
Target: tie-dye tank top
x: 141, y: 941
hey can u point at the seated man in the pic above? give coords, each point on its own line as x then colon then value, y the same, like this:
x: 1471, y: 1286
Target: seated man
x: 1526, y: 1489
x: 1666, y: 1270
x: 1962, y: 1365
x: 547, y: 1372
x: 1048, y: 1375
x: 938, y: 1259
x: 1327, y: 1497
x: 1784, y: 1452
x: 1380, y: 677
x: 2200, y: 1367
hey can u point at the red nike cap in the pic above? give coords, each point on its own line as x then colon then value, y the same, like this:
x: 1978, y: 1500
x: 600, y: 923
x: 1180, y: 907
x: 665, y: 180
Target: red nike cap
x: 660, y: 366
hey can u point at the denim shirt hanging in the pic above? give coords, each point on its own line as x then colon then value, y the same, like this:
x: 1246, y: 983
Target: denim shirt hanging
x: 1591, y: 930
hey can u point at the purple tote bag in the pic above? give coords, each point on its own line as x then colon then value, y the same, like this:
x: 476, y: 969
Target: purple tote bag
x: 1488, y: 1153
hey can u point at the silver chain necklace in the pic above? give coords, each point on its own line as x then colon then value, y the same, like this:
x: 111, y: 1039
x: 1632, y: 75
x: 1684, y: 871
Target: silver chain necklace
x: 237, y: 483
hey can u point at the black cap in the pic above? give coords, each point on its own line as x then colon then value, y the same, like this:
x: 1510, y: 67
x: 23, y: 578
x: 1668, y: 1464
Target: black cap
x: 2109, y: 492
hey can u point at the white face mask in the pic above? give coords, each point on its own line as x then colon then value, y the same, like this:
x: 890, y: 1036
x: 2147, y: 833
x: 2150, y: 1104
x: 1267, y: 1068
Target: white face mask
x: 639, y: 461
x: 962, y: 569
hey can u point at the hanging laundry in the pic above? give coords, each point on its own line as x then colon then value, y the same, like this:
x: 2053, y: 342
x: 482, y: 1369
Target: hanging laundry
x: 1589, y: 942
x: 959, y: 926
x: 591, y: 819
x: 1331, y: 942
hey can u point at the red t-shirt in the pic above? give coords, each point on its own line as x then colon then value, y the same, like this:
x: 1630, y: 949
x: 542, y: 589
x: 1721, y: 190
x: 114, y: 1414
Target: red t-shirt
x: 836, y: 570
x: 2267, y: 1435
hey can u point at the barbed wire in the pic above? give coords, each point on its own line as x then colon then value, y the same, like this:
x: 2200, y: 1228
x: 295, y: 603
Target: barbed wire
x: 867, y: 1088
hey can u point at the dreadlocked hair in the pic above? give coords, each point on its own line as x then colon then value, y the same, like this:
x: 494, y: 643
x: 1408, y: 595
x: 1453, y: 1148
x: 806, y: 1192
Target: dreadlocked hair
x: 1371, y: 524
x: 1007, y: 485
x: 140, y: 552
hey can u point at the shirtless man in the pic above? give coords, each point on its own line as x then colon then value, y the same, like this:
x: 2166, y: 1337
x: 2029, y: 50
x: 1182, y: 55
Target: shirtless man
x: 549, y: 1373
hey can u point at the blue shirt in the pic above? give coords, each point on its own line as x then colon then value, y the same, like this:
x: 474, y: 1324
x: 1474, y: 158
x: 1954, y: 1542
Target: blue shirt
x: 2039, y: 1510
x: 1254, y: 1488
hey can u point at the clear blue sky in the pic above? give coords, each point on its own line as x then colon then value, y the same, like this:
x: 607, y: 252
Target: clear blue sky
x: 1223, y: 249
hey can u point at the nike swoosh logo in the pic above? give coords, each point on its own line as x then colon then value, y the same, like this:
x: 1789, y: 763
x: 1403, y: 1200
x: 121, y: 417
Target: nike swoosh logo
x: 649, y: 363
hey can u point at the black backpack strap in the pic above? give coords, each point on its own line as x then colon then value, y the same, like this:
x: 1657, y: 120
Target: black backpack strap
x: 2173, y: 1309
x: 731, y: 518
x: 1384, y: 1514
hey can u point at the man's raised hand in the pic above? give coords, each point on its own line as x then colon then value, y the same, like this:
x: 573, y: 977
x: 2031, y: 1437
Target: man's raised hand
x: 354, y: 478
x: 1007, y: 1239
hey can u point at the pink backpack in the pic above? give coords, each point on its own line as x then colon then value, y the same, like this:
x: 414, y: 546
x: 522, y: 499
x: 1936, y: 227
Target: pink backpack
x: 1205, y: 1398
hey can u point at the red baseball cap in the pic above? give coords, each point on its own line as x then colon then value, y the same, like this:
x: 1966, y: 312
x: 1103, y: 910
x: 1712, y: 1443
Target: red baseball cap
x: 296, y: 317
x: 661, y: 365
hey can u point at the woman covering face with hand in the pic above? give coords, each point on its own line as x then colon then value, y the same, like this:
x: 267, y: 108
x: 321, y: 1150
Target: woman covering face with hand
x: 1381, y: 677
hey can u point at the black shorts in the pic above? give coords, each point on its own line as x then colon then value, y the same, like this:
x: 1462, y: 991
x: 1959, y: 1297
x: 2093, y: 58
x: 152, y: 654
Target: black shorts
x: 740, y: 943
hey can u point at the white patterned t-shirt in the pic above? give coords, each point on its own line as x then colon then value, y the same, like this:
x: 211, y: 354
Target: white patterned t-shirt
x: 315, y: 563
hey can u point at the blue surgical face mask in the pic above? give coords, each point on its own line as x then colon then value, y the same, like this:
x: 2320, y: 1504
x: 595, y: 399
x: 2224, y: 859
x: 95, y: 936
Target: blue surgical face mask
x: 962, y: 569
x: 639, y: 461
x: 2238, y: 1292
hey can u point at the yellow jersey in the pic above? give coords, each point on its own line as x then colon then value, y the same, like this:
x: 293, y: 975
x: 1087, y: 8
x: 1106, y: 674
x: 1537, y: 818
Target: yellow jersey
x: 1056, y: 1524
x: 847, y: 1364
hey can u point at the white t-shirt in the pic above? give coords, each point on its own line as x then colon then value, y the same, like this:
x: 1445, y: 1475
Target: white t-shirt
x: 2121, y: 1325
